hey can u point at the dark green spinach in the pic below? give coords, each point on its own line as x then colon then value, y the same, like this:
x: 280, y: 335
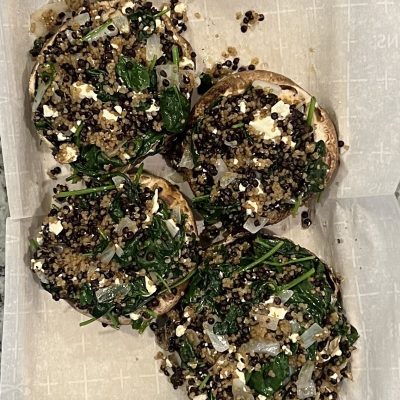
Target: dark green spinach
x: 229, y: 325
x: 174, y: 108
x: 133, y: 74
x: 146, y: 144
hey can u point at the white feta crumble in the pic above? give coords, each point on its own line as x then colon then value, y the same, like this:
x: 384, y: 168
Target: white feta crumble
x: 286, y: 350
x: 242, y: 188
x: 337, y: 352
x: 134, y: 317
x: 118, y: 109
x: 168, y: 363
x: 242, y: 106
x: 159, y: 23
x: 56, y: 227
x: 48, y: 112
x: 150, y: 286
x: 180, y: 8
x: 109, y: 115
x: 200, y: 397
x: 114, y: 46
x: 180, y: 330
x: 285, y: 139
x: 241, y: 376
x: 253, y: 207
x: 277, y: 312
x: 186, y: 62
x: 266, y: 126
x: 261, y: 397
x: 235, y: 161
x: 37, y: 265
x: 156, y: 206
x: 281, y: 108
x: 126, y: 156
x: 85, y: 91
x: 240, y: 365
x: 294, y: 337
x: 71, y: 154
x: 153, y: 107
x: 61, y: 137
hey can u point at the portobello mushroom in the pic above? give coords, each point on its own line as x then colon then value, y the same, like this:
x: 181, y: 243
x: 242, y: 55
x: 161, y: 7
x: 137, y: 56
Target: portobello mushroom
x: 112, y: 86
x: 261, y: 319
x: 120, y: 251
x: 258, y: 147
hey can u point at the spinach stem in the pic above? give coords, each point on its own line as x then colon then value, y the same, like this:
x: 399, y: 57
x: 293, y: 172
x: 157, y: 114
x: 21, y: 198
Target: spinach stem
x: 311, y: 110
x: 200, y: 198
x: 297, y: 205
x: 152, y: 63
x: 204, y: 382
x: 83, y: 192
x: 89, y: 321
x: 298, y: 280
x: 34, y: 245
x: 161, y: 13
x: 95, y: 32
x: 297, y: 260
x: 164, y: 282
x: 238, y: 125
x: 175, y: 55
x: 263, y: 258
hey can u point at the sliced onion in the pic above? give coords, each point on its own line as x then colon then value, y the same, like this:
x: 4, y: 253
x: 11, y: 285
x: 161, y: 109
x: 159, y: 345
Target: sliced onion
x: 40, y: 92
x: 119, y: 251
x: 276, y: 89
x: 176, y: 214
x: 273, y: 323
x: 240, y: 391
x: 153, y: 48
x: 305, y: 384
x: 295, y: 326
x: 250, y: 226
x: 126, y: 222
x: 108, y: 294
x: 118, y: 181
x: 285, y: 295
x: 107, y: 255
x: 172, y: 75
x: 156, y: 206
x: 219, y: 342
x: 121, y: 22
x: 171, y: 226
x: 262, y: 346
x: 221, y: 168
x: 227, y: 178
x: 80, y: 19
x: 187, y: 159
x: 309, y: 336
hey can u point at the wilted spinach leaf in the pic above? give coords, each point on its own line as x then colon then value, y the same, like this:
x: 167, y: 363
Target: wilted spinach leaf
x: 229, y: 324
x: 267, y: 385
x: 146, y: 19
x: 146, y: 144
x: 133, y: 74
x: 174, y: 108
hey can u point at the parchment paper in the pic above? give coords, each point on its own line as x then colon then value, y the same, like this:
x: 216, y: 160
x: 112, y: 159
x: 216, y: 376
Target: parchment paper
x: 346, y: 52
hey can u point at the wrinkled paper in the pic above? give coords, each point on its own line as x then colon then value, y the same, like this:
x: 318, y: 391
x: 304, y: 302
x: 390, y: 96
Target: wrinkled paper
x: 346, y: 52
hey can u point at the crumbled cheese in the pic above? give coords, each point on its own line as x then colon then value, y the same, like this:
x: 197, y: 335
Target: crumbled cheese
x: 266, y: 126
x: 114, y: 46
x: 253, y: 207
x: 230, y: 92
x: 85, y: 91
x: 242, y: 188
x: 186, y: 62
x: 180, y: 8
x: 240, y: 365
x: 70, y: 154
x: 109, y: 116
x: 37, y: 265
x: 261, y: 397
x: 201, y: 397
x: 56, y: 227
x: 126, y: 156
x: 235, y: 161
x: 334, y: 376
x: 294, y: 337
x: 73, y: 129
x: 134, y: 316
x: 117, y: 282
x: 127, y: 5
x: 215, y: 130
x: 287, y: 350
x: 281, y: 108
x: 153, y: 107
x: 61, y: 137
x: 118, y: 109
x: 242, y: 106
x: 168, y: 363
x: 277, y: 312
x: 337, y: 352
x: 180, y: 330
x: 241, y: 376
x: 150, y: 286
x: 48, y: 112
x: 159, y: 23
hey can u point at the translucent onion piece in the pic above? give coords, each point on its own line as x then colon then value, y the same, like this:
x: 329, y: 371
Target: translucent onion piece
x: 171, y: 226
x: 273, y: 323
x: 221, y: 168
x: 219, y: 342
x: 305, y: 384
x: 240, y: 391
x: 119, y: 251
x: 118, y: 181
x: 121, y: 22
x: 108, y: 294
x: 187, y: 159
x: 80, y: 19
x: 285, y: 295
x: 250, y: 226
x: 126, y: 222
x: 309, y: 336
x: 295, y: 326
x: 227, y: 179
x: 172, y: 75
x: 153, y: 48
x: 40, y: 92
x: 176, y: 214
x: 107, y: 255
x: 262, y: 346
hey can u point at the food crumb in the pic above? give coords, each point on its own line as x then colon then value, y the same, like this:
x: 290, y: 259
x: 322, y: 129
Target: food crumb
x: 197, y: 15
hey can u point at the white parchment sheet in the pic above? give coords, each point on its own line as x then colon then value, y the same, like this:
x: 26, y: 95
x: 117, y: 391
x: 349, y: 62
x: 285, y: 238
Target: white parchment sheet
x: 346, y: 52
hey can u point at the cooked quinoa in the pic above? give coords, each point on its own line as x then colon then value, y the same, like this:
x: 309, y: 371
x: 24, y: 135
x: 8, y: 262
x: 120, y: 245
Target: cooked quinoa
x: 261, y: 319
x: 116, y: 80
x: 113, y: 251
x: 252, y: 154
